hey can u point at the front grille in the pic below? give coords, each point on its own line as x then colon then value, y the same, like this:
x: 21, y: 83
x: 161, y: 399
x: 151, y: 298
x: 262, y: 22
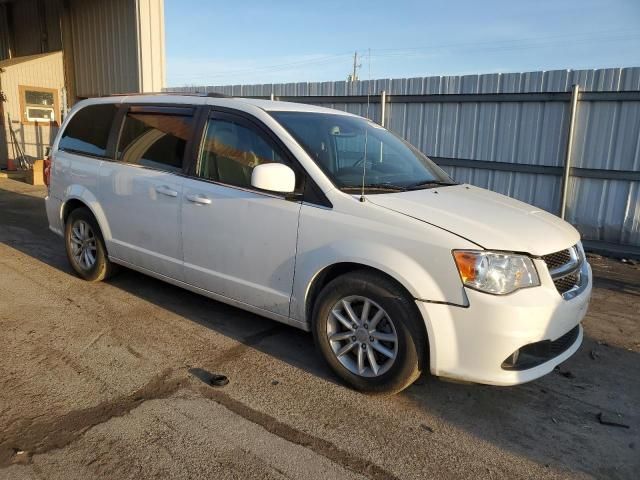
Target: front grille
x: 537, y: 353
x: 564, y: 284
x: 557, y: 259
x: 564, y: 267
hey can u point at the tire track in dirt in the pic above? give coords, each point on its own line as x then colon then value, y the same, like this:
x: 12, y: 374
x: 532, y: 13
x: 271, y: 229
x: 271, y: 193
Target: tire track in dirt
x: 317, y: 445
x: 41, y: 437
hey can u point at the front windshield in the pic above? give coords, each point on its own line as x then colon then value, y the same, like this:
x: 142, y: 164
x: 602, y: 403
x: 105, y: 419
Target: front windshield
x: 346, y: 148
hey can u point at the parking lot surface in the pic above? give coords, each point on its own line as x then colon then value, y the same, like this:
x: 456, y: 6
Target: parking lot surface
x: 106, y: 381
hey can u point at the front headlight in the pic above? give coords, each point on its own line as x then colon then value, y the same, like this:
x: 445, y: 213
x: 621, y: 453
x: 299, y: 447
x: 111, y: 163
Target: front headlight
x: 495, y: 272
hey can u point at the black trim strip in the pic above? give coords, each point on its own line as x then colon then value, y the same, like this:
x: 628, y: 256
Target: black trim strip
x: 83, y: 154
x: 163, y: 109
x: 537, y: 169
x: 438, y: 302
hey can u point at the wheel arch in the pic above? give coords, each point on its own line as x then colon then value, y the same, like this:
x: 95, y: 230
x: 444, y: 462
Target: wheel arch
x: 80, y: 197
x: 335, y: 270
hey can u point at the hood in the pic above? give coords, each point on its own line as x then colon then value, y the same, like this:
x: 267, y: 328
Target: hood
x: 488, y: 219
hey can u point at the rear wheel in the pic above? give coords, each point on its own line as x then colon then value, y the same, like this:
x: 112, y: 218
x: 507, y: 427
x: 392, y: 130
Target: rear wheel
x: 368, y: 331
x: 85, y: 246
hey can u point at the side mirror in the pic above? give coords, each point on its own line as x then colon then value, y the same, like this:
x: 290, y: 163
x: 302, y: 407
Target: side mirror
x: 273, y: 177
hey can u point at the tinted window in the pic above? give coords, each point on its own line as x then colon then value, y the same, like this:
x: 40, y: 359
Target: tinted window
x: 231, y: 151
x: 88, y: 130
x: 155, y: 140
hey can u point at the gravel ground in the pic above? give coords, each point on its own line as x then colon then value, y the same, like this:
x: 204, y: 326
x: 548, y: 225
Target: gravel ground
x: 105, y: 381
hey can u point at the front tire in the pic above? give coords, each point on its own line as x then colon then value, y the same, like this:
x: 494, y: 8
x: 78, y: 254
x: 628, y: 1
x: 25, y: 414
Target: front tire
x: 368, y: 330
x: 85, y: 247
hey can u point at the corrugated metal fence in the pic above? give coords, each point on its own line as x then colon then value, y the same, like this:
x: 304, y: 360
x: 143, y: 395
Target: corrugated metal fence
x: 509, y: 133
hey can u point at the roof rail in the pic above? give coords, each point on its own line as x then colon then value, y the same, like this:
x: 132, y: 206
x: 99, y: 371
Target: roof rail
x: 186, y: 94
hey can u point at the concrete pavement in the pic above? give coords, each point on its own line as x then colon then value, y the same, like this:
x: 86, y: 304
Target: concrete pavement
x: 97, y: 381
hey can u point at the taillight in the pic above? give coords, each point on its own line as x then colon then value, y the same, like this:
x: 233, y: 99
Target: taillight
x: 47, y: 171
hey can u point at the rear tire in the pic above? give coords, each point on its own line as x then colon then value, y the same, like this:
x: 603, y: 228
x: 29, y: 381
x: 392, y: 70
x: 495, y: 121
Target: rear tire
x: 369, y: 331
x: 85, y: 247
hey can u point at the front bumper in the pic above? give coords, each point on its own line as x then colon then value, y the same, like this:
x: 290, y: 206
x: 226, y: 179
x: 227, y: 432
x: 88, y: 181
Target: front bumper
x: 472, y: 343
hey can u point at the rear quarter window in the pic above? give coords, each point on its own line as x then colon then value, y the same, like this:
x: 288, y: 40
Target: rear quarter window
x: 88, y: 130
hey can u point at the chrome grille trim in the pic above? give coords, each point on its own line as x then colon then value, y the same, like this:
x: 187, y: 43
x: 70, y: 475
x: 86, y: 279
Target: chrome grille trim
x: 568, y: 270
x: 557, y: 259
x: 571, y: 264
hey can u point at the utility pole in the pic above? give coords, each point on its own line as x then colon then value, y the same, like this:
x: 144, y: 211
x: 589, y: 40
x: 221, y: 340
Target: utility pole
x: 353, y: 77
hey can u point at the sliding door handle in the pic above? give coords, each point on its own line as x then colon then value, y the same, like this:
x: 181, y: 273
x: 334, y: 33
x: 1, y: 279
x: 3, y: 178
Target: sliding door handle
x: 165, y: 190
x: 199, y: 199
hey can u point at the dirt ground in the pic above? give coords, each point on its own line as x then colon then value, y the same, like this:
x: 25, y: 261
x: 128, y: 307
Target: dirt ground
x: 105, y: 381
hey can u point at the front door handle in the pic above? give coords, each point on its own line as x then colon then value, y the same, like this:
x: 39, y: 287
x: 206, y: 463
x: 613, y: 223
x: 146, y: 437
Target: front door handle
x: 200, y: 200
x: 165, y: 190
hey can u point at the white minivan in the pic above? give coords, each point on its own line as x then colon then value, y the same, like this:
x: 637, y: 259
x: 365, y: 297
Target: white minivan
x: 325, y: 221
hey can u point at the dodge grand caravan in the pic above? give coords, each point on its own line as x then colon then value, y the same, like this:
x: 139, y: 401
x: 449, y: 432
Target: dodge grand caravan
x: 325, y: 221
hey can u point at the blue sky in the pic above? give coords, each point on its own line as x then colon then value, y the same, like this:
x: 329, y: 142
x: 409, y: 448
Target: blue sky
x: 221, y: 43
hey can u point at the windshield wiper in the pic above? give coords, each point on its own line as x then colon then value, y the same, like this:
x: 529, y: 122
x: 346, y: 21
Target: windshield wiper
x: 430, y: 184
x: 377, y: 186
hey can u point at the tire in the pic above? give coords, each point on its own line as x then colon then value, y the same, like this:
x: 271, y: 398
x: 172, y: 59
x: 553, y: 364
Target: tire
x: 400, y: 319
x: 81, y: 228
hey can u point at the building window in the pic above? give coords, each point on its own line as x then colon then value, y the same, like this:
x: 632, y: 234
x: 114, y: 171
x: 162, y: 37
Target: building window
x: 39, y: 105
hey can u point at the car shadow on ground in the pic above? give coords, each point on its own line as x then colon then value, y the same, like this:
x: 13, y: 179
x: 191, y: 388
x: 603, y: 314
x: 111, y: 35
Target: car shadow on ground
x: 553, y: 421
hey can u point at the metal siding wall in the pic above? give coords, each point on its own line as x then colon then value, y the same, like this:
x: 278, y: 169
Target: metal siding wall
x: 45, y: 72
x: 151, y: 38
x: 103, y: 33
x: 26, y: 28
x: 534, y: 133
x: 4, y: 33
x: 53, y: 11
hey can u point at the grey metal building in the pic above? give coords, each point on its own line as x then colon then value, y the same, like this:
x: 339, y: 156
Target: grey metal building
x: 54, y: 52
x: 510, y: 133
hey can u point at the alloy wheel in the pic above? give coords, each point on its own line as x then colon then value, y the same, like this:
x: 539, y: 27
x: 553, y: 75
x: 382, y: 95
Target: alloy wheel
x: 83, y: 244
x: 362, y: 336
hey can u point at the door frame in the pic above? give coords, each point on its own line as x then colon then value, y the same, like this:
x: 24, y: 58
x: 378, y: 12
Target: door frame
x: 311, y: 193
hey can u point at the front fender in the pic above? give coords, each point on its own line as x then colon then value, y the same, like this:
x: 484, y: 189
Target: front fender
x: 395, y: 263
x: 415, y: 254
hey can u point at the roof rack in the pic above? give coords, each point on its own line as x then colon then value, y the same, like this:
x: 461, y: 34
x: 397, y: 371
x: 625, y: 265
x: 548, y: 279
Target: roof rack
x: 181, y: 94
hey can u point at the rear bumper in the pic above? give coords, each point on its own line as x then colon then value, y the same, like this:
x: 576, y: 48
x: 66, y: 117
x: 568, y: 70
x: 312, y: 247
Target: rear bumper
x: 473, y: 343
x: 54, y: 214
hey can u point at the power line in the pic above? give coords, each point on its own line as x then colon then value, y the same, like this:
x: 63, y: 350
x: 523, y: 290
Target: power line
x: 591, y: 36
x: 487, y: 46
x: 489, y: 49
x: 321, y: 60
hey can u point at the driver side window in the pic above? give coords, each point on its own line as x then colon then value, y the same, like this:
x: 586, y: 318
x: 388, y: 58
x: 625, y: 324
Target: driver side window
x: 231, y: 151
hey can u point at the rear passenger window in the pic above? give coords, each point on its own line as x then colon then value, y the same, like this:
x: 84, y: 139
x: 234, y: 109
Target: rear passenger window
x: 155, y: 140
x: 88, y: 130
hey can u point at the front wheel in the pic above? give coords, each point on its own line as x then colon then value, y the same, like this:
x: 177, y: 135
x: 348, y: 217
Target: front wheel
x: 368, y: 331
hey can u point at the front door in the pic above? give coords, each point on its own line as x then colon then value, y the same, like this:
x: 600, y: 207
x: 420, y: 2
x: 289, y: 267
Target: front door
x: 141, y: 191
x: 237, y: 241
